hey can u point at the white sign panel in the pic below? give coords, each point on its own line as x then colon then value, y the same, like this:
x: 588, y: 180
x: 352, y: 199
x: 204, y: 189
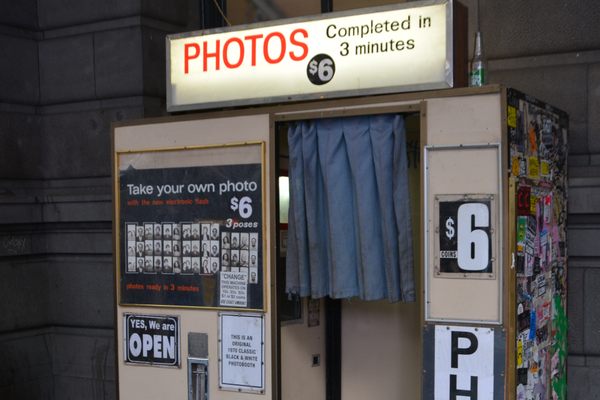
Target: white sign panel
x: 404, y: 47
x: 234, y: 289
x: 464, y: 363
x: 241, y: 352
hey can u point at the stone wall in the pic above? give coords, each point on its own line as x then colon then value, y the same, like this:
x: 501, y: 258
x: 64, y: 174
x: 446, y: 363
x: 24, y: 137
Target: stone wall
x: 68, y: 70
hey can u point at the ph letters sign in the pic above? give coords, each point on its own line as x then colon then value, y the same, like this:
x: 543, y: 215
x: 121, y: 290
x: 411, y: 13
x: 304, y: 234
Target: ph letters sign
x: 464, y: 363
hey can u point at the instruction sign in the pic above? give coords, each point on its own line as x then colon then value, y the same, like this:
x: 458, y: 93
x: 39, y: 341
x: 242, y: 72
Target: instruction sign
x: 184, y: 227
x: 464, y: 363
x: 465, y: 236
x: 241, y: 352
x: 151, y: 339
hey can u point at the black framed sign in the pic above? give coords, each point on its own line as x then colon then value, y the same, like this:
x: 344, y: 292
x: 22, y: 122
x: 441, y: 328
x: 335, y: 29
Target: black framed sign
x: 151, y: 339
x: 190, y: 227
x: 465, y: 235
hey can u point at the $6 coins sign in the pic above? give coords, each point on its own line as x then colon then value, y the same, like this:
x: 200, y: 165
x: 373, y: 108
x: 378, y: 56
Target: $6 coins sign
x: 465, y: 236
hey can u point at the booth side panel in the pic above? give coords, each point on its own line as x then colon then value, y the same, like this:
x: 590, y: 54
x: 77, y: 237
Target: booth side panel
x: 199, y: 327
x: 538, y: 162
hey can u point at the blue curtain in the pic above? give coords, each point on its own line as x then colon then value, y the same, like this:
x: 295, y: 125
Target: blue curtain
x: 349, y: 227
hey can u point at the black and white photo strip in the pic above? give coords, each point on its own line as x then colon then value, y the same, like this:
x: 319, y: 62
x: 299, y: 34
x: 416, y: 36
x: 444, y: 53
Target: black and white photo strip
x: 190, y: 248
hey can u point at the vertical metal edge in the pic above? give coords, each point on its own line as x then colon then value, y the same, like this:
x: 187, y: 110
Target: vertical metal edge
x: 425, y: 212
x: 449, y: 70
x: 273, y: 223
x: 510, y: 281
x: 422, y: 268
x: 219, y: 348
x: 501, y: 222
x: 169, y: 87
x: 499, y: 363
x: 115, y: 248
x: 428, y: 369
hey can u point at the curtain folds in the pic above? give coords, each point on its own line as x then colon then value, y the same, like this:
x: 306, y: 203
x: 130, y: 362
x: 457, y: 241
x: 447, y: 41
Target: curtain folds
x: 349, y: 227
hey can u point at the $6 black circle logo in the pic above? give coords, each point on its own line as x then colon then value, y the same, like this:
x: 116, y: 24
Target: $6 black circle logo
x: 320, y: 69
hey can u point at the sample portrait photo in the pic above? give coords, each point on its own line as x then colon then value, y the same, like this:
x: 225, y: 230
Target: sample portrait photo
x: 167, y: 248
x: 186, y: 246
x: 167, y: 231
x: 196, y: 231
x: 139, y: 233
x: 196, y: 265
x: 149, y: 264
x: 253, y: 276
x: 131, y: 232
x: 225, y: 240
x: 176, y: 248
x: 157, y: 247
x: 157, y: 231
x: 253, y: 259
x: 244, y: 241
x: 131, y: 264
x: 214, y: 265
x: 167, y: 267
x: 186, y: 231
x: 234, y: 259
x: 214, y: 232
x: 187, y: 265
x: 139, y: 264
x: 176, y: 231
x: 195, y: 248
x: 254, y: 241
x: 130, y: 249
x: 157, y: 264
x: 139, y: 249
x: 149, y: 247
x: 176, y: 265
x: 235, y: 241
x: 214, y: 248
x: 148, y: 231
x: 205, y: 231
x: 244, y: 258
x: 205, y: 248
x: 225, y: 261
x: 205, y: 265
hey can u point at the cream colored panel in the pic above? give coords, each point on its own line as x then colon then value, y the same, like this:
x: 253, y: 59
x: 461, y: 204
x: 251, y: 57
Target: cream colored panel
x: 192, y: 133
x: 380, y: 350
x: 299, y: 379
x: 155, y: 383
x: 467, y: 121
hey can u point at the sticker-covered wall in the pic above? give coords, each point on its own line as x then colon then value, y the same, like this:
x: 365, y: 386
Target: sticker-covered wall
x: 538, y: 156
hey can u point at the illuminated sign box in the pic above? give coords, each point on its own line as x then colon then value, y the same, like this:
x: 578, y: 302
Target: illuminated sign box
x: 402, y: 48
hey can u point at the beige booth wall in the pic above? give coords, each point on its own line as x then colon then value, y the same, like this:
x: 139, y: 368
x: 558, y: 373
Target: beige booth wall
x: 145, y: 382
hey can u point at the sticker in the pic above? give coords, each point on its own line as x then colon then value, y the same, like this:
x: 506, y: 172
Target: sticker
x: 533, y: 200
x: 511, y: 116
x: 532, y: 138
x: 524, y: 200
x: 532, y: 322
x: 521, y: 233
x: 515, y: 166
x: 545, y: 168
x: 522, y: 167
x: 547, y: 209
x: 533, y: 167
x: 519, y: 353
